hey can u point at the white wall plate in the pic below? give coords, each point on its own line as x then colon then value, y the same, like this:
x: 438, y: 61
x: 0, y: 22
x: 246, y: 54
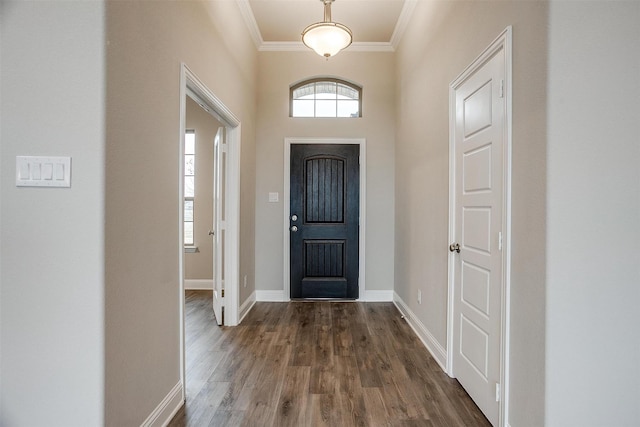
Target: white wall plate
x: 37, y: 171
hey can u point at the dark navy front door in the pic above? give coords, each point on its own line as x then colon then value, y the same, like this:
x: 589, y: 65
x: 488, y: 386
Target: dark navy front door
x: 324, y: 222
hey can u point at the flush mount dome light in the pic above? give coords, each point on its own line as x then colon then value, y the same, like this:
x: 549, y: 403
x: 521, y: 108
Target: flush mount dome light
x: 327, y: 38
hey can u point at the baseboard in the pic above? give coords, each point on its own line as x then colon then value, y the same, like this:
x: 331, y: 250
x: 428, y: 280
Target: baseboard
x: 164, y: 412
x: 369, y: 296
x: 198, y: 284
x: 378, y: 296
x: 270, y: 296
x: 246, y: 306
x: 427, y: 338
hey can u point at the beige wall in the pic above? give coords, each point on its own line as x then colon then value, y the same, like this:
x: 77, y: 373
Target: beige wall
x: 147, y: 41
x: 593, y: 217
x: 442, y: 39
x: 574, y: 285
x: 52, y: 239
x: 375, y: 73
x: 199, y: 265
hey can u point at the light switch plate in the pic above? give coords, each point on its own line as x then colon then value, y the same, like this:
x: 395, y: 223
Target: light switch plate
x: 273, y: 197
x: 39, y: 171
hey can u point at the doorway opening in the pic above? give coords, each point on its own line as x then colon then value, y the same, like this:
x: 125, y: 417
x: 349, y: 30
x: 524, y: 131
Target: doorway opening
x: 226, y: 220
x: 200, y: 213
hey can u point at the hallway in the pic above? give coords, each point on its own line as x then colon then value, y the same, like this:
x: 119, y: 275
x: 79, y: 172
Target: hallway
x: 321, y: 363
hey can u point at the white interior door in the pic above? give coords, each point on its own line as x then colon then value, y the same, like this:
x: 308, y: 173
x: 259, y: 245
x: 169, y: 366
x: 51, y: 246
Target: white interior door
x: 479, y: 166
x: 219, y: 167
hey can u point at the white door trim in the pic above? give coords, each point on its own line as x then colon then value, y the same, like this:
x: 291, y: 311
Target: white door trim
x: 192, y: 86
x: 363, y: 198
x: 503, y: 41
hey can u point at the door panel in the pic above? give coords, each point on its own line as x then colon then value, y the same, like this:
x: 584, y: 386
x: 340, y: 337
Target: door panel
x: 476, y: 228
x: 474, y: 346
x: 478, y: 150
x: 219, y: 160
x: 325, y: 203
x: 476, y: 176
x: 475, y: 287
x: 477, y: 110
x: 324, y: 190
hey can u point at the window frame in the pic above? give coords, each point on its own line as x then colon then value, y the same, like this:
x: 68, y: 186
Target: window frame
x: 189, y: 198
x: 316, y: 80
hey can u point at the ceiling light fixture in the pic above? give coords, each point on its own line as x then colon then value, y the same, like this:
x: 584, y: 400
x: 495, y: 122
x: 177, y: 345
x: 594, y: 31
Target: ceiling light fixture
x: 327, y: 38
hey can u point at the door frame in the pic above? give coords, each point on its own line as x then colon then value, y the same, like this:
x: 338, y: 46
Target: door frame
x: 192, y: 86
x: 362, y: 142
x: 503, y: 41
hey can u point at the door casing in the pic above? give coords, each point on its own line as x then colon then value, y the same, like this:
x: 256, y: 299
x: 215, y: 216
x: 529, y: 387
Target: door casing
x: 503, y: 41
x: 287, y: 208
x: 192, y: 86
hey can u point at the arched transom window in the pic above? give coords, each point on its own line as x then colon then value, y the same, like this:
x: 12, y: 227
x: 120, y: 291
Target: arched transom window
x: 325, y: 97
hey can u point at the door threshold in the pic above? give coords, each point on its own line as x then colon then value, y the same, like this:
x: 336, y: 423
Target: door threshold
x: 324, y: 299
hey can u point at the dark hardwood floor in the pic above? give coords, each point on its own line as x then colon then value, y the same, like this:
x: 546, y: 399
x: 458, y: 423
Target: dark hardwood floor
x: 315, y: 364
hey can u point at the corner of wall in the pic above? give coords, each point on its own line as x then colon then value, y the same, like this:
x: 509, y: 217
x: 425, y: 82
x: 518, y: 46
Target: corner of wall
x: 435, y: 348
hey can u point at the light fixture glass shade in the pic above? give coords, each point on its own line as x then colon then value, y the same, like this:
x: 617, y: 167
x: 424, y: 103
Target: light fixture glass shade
x: 327, y: 38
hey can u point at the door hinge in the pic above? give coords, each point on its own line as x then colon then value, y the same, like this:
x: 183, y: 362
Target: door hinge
x: 497, y: 392
x: 502, y: 88
x: 500, y: 240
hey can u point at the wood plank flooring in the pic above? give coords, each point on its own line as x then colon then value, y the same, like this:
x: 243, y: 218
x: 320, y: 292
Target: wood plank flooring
x: 315, y: 364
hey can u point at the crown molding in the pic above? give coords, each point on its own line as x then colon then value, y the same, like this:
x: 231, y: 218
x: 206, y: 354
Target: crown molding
x: 403, y: 22
x: 300, y: 47
x: 250, y: 21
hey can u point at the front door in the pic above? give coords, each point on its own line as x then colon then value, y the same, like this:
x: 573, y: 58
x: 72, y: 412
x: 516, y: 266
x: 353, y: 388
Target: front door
x: 479, y: 167
x: 324, y: 221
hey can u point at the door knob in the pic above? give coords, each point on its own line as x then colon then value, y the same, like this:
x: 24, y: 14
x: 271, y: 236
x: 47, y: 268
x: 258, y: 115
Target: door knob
x: 211, y: 233
x: 294, y: 228
x: 454, y: 247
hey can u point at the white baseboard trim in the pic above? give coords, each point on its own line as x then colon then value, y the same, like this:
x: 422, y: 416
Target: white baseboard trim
x: 198, y: 284
x: 378, y: 296
x: 437, y: 351
x: 246, y: 306
x: 270, y: 296
x: 164, y: 412
x: 369, y: 296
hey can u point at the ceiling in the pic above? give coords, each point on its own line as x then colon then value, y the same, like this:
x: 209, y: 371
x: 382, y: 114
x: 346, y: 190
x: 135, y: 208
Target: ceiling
x: 377, y: 25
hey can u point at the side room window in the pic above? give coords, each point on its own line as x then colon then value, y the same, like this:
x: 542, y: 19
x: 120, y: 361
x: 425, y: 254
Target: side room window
x: 325, y: 97
x: 189, y: 185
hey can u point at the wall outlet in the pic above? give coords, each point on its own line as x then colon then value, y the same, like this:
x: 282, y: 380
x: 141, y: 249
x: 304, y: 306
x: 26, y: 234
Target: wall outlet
x: 419, y: 296
x: 245, y: 280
